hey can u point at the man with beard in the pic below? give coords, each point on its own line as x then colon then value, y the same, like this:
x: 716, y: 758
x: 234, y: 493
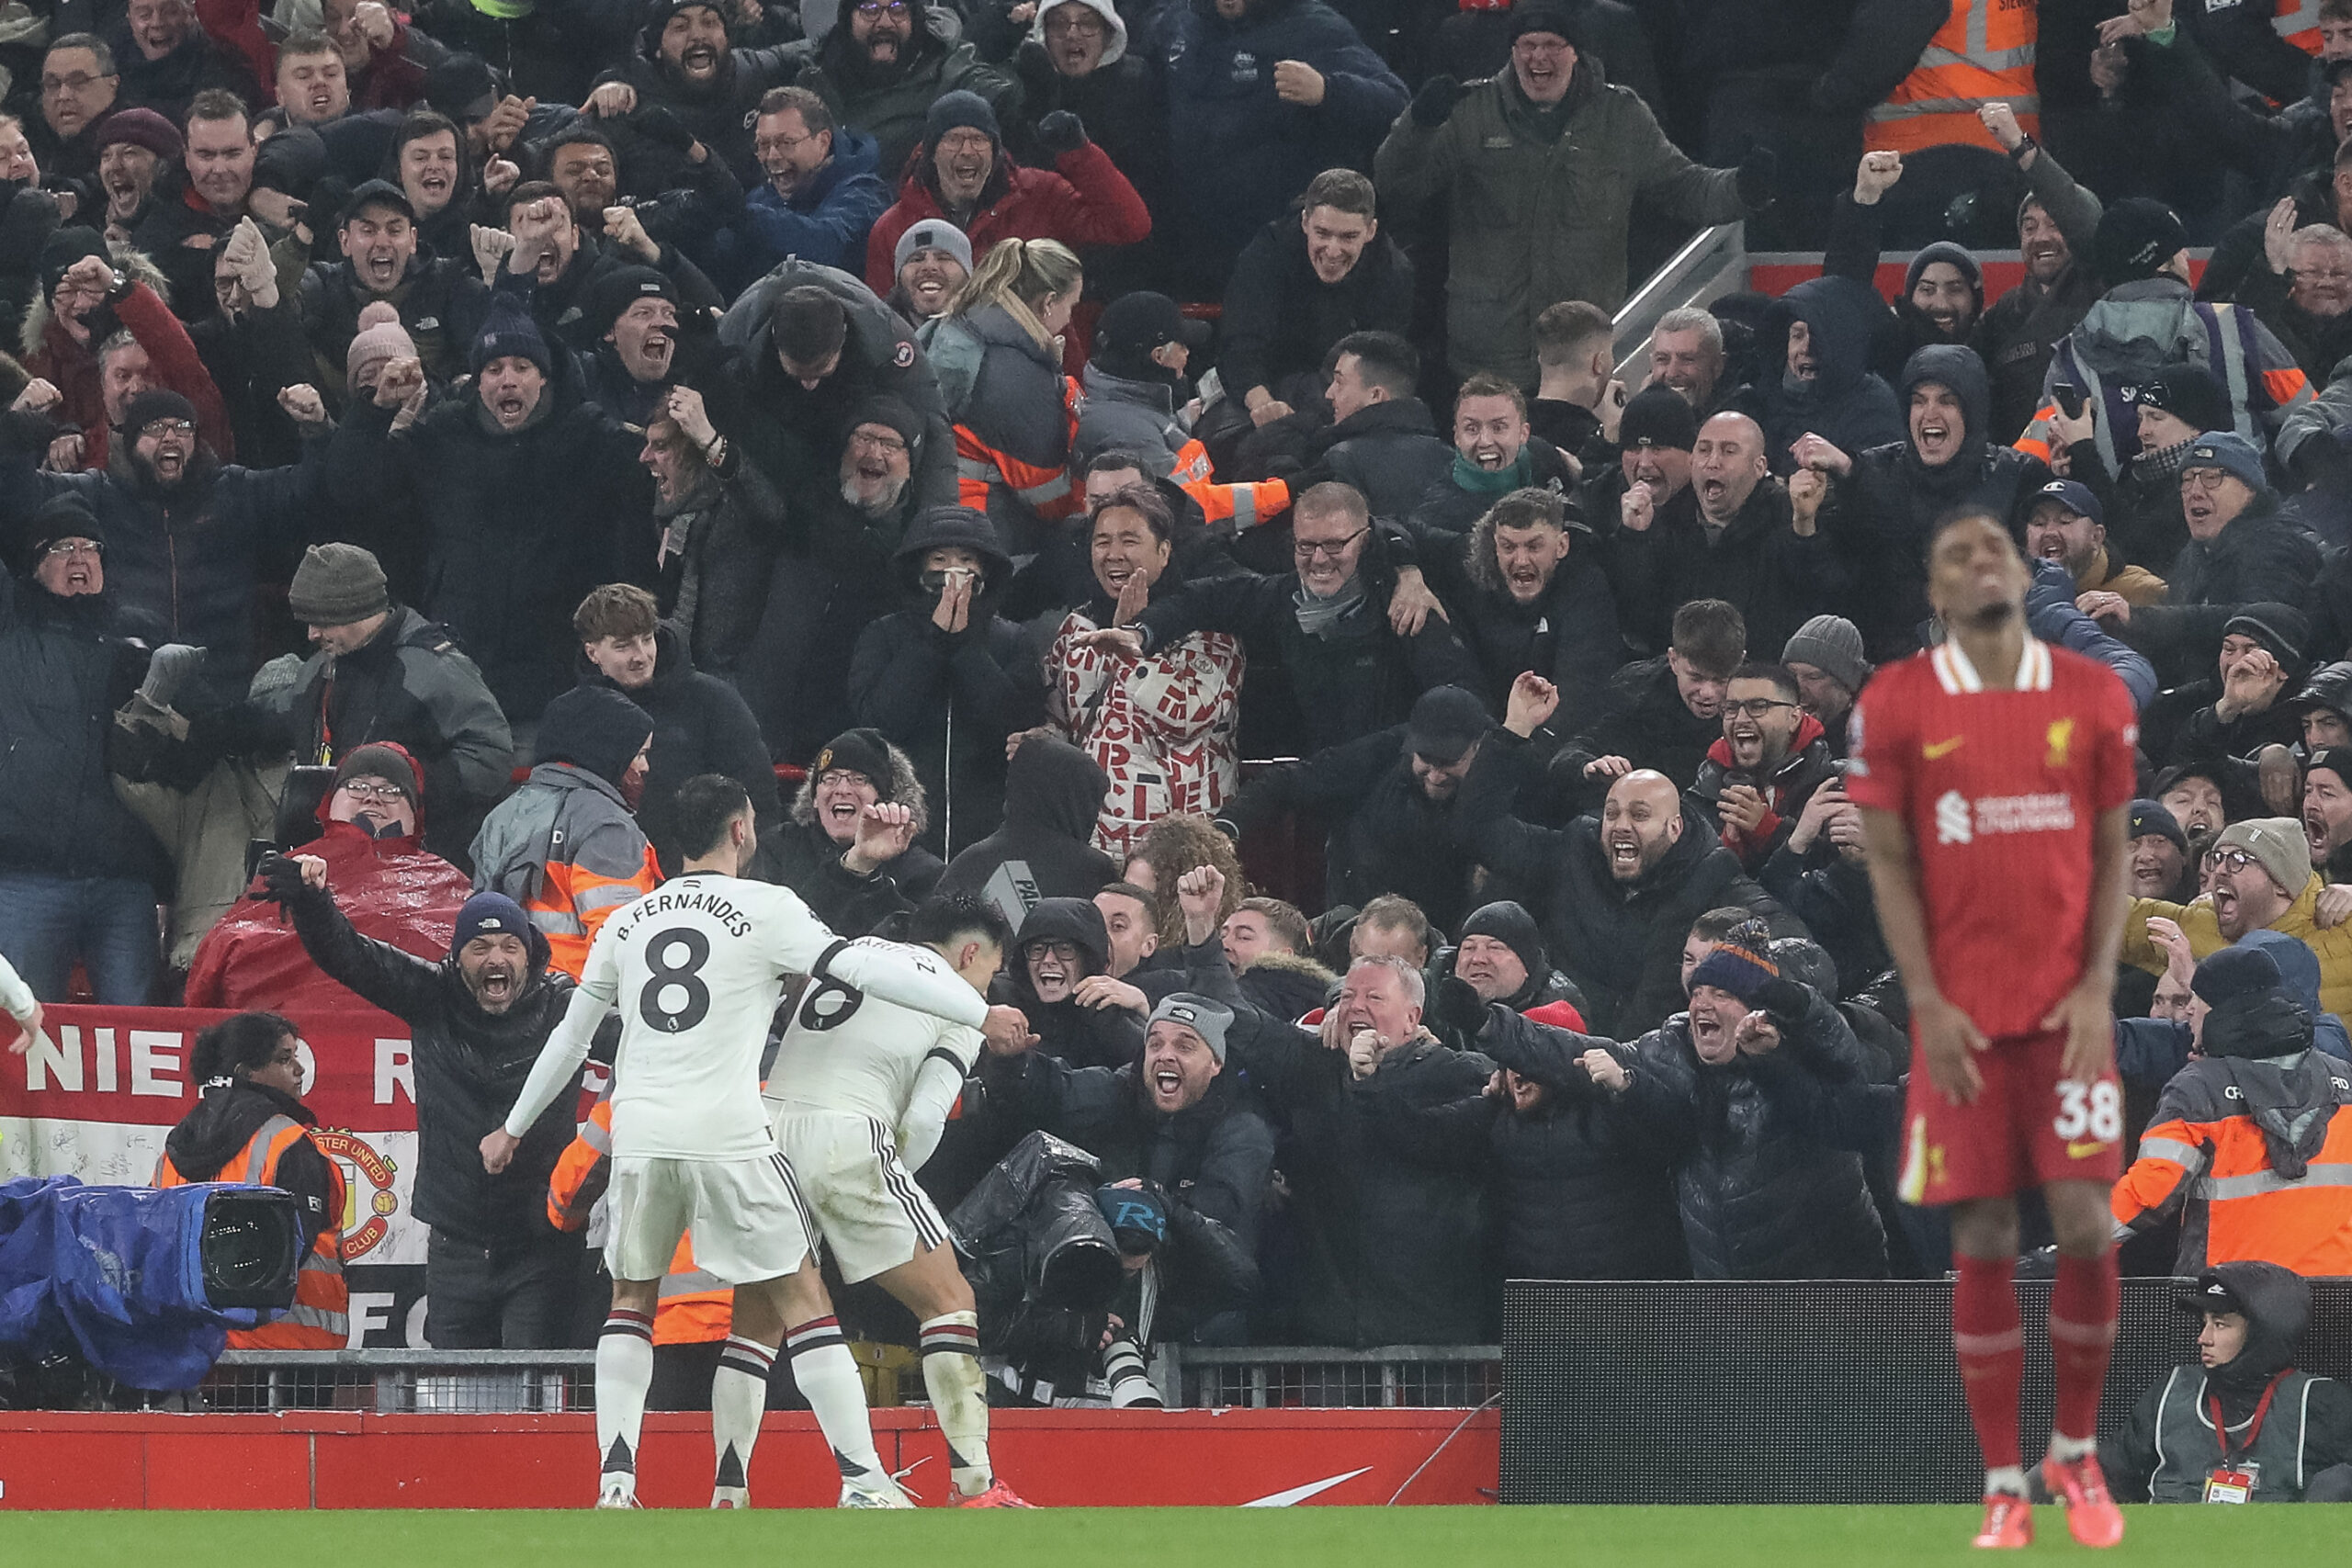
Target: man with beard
x: 527, y: 498
x: 79, y: 86
x: 2259, y: 877
x: 634, y: 363
x: 1749, y: 541
x: 684, y: 70
x: 2056, y: 222
x: 193, y: 212
x: 1529, y: 594
x: 1062, y: 944
x: 820, y: 196
x: 566, y: 845
x: 162, y: 492
x: 963, y: 176
x: 2242, y: 551
x: 700, y: 725
x: 93, y: 374
x: 1882, y: 503
x: 80, y: 874
x: 931, y: 262
x: 1943, y: 287
x: 1389, y: 800
x: 2162, y: 866
x: 441, y: 302
x: 1662, y: 714
x: 497, y: 1275
x: 1772, y: 756
x: 385, y: 674
x: 135, y: 146
x: 720, y: 521
x: 2327, y: 812
x: 1078, y: 56
x: 371, y: 829
x: 883, y: 68
x: 1616, y: 893
x: 1494, y: 454
x: 1825, y: 656
x: 2066, y: 524
x: 1649, y: 481
x: 1686, y: 355
x: 172, y: 59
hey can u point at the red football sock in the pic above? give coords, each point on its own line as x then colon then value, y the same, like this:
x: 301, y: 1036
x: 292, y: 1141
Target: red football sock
x: 2083, y: 1307
x: 1990, y: 1342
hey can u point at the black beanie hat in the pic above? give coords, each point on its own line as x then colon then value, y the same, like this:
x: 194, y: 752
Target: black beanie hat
x: 292, y: 161
x: 2136, y: 236
x: 960, y: 110
x: 508, y: 331
x: 1512, y: 925
x: 2281, y: 629
x: 63, y: 248
x: 594, y: 727
x: 1544, y: 17
x: 156, y: 402
x: 2234, y: 972
x: 379, y: 761
x: 64, y: 517
x: 621, y: 287
x: 892, y: 413
x: 1661, y: 416
x: 862, y: 751
x: 2190, y: 393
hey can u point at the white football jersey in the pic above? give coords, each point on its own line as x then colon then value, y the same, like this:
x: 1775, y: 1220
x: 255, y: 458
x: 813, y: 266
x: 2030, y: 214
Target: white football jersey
x: 694, y: 968
x: 849, y: 1051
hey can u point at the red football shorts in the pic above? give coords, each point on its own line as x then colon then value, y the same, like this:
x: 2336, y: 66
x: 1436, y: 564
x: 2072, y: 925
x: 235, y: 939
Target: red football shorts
x: 2024, y: 1129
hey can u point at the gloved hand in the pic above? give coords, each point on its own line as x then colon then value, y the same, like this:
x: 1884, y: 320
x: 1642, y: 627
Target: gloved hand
x: 1458, y: 1005
x: 1758, y: 177
x: 1061, y: 131
x: 167, y: 669
x: 1035, y: 69
x: 1786, y: 1001
x: 662, y: 128
x: 1434, y: 103
x: 280, y: 878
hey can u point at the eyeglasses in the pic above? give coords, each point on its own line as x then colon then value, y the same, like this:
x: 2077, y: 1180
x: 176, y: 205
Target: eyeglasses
x: 167, y: 427
x: 782, y: 144
x: 1065, y: 951
x: 81, y: 81
x: 2232, y: 860
x: 1310, y: 549
x: 1757, y: 707
x: 889, y: 445
x: 1063, y: 21
x: 383, y: 791
x: 963, y: 142
x: 65, y: 549
x: 834, y: 777
x: 870, y: 8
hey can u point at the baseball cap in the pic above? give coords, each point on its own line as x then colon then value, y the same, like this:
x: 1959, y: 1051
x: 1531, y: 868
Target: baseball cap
x: 1446, y: 722
x: 1143, y: 321
x: 2076, y: 497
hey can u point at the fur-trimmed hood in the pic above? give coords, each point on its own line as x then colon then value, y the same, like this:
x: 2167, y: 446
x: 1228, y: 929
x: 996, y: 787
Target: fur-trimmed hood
x: 137, y: 265
x: 905, y: 790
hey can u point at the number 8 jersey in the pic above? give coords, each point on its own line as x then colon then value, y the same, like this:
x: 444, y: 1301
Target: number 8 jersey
x: 696, y: 968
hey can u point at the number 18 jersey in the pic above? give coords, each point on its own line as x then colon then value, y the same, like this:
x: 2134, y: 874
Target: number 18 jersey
x: 694, y: 968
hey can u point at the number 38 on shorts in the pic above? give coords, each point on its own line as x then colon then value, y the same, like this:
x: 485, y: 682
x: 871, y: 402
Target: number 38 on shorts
x: 2092, y: 1113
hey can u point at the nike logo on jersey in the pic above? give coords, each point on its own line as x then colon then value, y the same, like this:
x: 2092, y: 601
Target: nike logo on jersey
x: 1937, y: 750
x: 2085, y: 1148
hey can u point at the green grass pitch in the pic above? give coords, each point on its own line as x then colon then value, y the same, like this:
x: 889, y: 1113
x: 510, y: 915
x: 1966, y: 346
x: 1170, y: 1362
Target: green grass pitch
x: 1145, y: 1538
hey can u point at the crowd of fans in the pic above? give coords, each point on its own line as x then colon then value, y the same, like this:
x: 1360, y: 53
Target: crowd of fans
x: 438, y: 435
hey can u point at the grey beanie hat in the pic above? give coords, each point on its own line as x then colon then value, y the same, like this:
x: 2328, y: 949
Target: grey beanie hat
x: 335, y: 586
x: 1832, y: 644
x: 931, y: 234
x: 1203, y: 1016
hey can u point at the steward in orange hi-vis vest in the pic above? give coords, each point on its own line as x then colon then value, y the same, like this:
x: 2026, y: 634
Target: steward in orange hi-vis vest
x: 696, y: 1308
x: 250, y: 1127
x: 1982, y: 55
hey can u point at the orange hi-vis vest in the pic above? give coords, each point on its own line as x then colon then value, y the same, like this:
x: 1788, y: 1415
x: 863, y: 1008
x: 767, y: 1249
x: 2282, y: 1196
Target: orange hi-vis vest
x: 1983, y: 53
x: 321, y: 1316
x: 696, y: 1308
x: 1246, y: 504
x: 572, y: 904
x: 1052, y: 493
x: 2245, y: 1210
x: 2297, y: 21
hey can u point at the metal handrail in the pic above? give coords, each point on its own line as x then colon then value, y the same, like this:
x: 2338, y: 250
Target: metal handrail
x: 1714, y: 264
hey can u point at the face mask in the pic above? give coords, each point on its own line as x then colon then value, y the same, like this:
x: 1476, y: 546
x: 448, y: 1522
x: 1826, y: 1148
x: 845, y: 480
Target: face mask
x: 934, y: 582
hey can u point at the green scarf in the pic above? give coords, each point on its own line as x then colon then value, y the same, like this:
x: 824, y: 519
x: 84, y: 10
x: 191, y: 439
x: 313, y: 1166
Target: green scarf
x: 506, y: 10
x: 1470, y: 477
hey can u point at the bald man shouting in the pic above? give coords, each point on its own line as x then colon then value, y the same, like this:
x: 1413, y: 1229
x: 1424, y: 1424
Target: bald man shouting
x: 1616, y: 893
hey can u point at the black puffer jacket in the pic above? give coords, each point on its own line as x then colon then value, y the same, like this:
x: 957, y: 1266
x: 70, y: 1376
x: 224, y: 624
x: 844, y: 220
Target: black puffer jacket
x: 65, y: 665
x: 471, y: 1066
x: 948, y: 699
x: 1053, y: 793
x: 700, y: 726
x: 1880, y: 515
x: 1581, y: 1183
x: 523, y: 523
x: 803, y: 858
x: 1844, y: 403
x: 1769, y: 1170
x: 1390, y: 451
x: 1281, y: 319
x: 1082, y: 1036
x: 1395, y: 1251
x: 1619, y: 941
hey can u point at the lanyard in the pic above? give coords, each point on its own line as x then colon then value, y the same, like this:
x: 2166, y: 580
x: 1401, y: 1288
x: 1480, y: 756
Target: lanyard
x: 2252, y: 1427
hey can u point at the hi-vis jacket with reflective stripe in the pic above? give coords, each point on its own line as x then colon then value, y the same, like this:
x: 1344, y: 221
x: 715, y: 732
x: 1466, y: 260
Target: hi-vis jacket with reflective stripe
x: 696, y: 1308
x: 1983, y: 53
x: 565, y: 847
x: 2246, y: 1195
x: 321, y: 1316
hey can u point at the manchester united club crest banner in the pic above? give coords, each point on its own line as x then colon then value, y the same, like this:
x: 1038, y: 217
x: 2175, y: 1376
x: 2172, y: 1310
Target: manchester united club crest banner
x: 96, y: 1100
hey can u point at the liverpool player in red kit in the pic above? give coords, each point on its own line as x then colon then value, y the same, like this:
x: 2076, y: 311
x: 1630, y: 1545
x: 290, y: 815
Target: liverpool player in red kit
x: 1995, y: 773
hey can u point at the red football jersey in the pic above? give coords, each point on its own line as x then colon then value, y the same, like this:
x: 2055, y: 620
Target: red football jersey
x: 2000, y: 790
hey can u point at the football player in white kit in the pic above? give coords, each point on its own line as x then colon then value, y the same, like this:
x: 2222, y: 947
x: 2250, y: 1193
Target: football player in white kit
x: 696, y: 967
x: 860, y: 1090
